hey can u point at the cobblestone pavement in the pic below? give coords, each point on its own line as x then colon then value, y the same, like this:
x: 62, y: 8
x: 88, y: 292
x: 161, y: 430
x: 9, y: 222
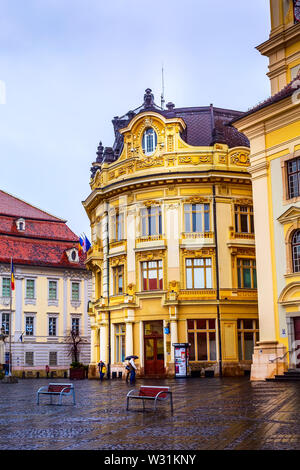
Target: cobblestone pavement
x: 208, y: 414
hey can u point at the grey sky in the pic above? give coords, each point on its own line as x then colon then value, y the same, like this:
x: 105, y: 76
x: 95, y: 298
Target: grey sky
x: 70, y: 66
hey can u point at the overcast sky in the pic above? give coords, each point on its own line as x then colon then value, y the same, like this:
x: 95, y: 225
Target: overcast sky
x: 70, y: 66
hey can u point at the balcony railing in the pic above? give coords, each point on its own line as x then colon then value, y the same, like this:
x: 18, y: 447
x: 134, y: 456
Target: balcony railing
x: 149, y: 238
x: 197, y: 235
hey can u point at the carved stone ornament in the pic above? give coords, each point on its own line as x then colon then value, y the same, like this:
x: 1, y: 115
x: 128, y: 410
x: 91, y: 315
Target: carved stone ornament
x: 240, y: 158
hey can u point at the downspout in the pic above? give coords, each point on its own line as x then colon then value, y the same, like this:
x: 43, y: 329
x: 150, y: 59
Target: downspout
x: 217, y: 280
x: 108, y: 283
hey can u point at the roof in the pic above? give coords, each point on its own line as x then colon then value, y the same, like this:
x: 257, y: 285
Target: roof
x: 205, y: 126
x: 286, y: 92
x: 43, y: 242
x: 11, y: 205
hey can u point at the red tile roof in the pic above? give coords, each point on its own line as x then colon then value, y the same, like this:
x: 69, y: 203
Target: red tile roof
x: 37, y: 252
x: 43, y: 242
x: 11, y: 205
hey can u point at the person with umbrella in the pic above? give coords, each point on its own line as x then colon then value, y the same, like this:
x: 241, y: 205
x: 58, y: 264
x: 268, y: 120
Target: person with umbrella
x: 132, y: 367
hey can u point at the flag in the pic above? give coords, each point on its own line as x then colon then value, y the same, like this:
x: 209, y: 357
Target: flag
x: 87, y: 244
x: 80, y: 245
x: 12, y: 276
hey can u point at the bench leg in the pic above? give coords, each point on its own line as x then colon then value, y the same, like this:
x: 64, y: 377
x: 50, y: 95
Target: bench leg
x: 171, y: 402
x: 74, y: 397
x: 38, y: 399
x: 143, y: 405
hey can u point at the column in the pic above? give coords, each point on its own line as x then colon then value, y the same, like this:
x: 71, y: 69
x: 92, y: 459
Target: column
x: 174, y: 337
x: 129, y: 339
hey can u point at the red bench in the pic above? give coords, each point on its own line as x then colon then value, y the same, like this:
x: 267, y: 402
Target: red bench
x: 56, y: 389
x: 151, y: 392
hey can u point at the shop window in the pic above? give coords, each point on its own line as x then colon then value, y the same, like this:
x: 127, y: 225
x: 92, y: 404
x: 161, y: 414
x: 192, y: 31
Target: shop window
x: 248, y: 335
x: 198, y: 273
x: 246, y: 270
x: 152, y: 275
x: 202, y: 339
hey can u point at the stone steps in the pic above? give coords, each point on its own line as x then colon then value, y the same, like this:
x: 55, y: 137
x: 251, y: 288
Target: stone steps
x: 290, y: 375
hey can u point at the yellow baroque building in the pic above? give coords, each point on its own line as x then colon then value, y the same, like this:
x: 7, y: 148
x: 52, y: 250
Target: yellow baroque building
x: 273, y: 128
x: 173, y: 250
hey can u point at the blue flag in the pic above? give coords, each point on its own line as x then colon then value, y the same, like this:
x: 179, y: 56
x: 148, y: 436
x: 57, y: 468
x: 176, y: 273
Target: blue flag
x: 87, y: 244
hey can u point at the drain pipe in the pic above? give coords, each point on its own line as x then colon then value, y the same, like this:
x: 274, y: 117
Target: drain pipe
x: 108, y: 283
x: 218, y: 280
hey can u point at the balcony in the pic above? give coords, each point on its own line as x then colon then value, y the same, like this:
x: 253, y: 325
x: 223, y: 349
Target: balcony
x: 197, y: 294
x: 193, y: 239
x: 150, y: 241
x: 238, y: 294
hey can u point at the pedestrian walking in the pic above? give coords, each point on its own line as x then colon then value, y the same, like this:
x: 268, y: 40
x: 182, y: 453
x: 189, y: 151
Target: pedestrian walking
x: 102, y: 370
x: 47, y: 370
x: 132, y: 371
x: 127, y: 370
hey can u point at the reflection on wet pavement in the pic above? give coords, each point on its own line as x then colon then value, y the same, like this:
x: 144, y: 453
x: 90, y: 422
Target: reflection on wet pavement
x: 228, y: 413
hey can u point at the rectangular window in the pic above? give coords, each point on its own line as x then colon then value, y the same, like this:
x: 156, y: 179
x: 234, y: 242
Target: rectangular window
x: 29, y: 323
x: 52, y: 290
x: 118, y: 280
x: 5, y: 323
x: 246, y: 273
x: 151, y: 221
x: 202, y: 338
x: 196, y: 218
x: 248, y: 335
x: 152, y: 275
x: 120, y: 342
x: 52, y: 326
x: 75, y: 326
x: 118, y: 227
x: 198, y: 273
x: 52, y: 358
x: 293, y: 177
x: 30, y: 289
x: 29, y: 358
x: 75, y: 291
x: 6, y: 287
x: 244, y: 222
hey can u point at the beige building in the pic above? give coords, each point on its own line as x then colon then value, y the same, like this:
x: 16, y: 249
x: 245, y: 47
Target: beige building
x: 52, y: 290
x: 173, y: 255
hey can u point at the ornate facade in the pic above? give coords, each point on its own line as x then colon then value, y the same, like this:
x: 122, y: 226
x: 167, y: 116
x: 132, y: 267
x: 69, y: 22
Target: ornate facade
x: 52, y: 290
x: 173, y: 251
x: 273, y: 128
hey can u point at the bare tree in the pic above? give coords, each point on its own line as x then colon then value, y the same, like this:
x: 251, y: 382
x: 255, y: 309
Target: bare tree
x: 74, y: 341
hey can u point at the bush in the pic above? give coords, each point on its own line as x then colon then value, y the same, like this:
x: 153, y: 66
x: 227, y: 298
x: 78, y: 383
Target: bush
x: 76, y: 365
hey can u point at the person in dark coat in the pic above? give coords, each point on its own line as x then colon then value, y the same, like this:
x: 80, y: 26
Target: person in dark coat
x: 102, y: 369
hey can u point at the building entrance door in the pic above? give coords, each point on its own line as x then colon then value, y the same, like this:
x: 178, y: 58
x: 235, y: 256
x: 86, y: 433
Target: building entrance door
x: 154, y: 348
x: 297, y: 338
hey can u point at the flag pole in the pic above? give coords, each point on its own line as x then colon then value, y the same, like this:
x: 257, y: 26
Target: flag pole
x: 10, y: 322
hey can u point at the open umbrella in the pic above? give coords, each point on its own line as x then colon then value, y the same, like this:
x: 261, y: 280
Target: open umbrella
x: 131, y: 357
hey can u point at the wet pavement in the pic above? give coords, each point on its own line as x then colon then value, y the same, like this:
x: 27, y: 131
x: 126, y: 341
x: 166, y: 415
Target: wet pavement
x: 211, y: 414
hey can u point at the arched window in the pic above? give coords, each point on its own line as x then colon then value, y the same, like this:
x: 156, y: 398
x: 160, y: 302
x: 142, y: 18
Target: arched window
x: 296, y: 251
x: 149, y: 141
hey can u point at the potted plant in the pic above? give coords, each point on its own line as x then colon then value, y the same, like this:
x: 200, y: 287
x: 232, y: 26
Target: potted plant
x: 77, y: 371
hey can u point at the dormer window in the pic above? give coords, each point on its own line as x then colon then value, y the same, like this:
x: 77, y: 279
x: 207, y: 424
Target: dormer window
x: 20, y: 223
x: 149, y: 141
x: 72, y: 255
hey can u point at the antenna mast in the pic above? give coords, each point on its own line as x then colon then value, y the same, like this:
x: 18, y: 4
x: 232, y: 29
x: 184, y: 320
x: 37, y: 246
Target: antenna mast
x: 162, y: 96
